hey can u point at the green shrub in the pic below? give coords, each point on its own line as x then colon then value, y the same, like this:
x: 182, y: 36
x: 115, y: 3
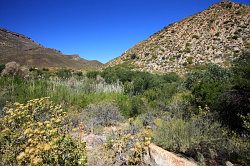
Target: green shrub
x: 190, y: 60
x: 171, y: 77
x: 208, y: 84
x: 64, y: 73
x: 78, y: 73
x: 2, y: 66
x: 199, y: 137
x: 232, y: 105
x: 247, y: 44
x: 133, y: 56
x: 92, y: 74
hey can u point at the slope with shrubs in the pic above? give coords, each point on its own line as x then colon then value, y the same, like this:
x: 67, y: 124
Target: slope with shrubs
x: 215, y: 35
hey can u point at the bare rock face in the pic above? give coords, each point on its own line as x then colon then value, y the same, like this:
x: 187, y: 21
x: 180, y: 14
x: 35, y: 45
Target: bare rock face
x: 76, y: 57
x: 13, y: 68
x: 215, y: 35
x: 157, y: 156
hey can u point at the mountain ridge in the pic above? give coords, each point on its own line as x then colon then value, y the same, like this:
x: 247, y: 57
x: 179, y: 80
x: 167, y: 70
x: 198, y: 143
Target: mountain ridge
x: 215, y: 35
x: 22, y: 49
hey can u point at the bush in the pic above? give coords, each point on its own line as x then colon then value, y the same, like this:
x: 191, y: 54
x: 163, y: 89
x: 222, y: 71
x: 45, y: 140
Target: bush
x: 241, y: 71
x: 232, y: 105
x: 2, y: 66
x: 190, y: 60
x: 104, y: 114
x: 137, y: 106
x: 92, y: 74
x: 64, y: 73
x: 133, y: 56
x: 200, y: 137
x: 171, y: 77
x: 31, y: 134
x: 208, y: 84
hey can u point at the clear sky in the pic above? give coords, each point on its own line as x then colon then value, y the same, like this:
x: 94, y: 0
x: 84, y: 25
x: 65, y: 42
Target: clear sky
x: 95, y: 29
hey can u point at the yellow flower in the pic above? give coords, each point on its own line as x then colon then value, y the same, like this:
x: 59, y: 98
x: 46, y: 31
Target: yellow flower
x: 36, y: 131
x: 27, y: 130
x: 37, y: 160
x: 46, y: 147
x: 58, y: 120
x: 40, y: 123
x: 46, y: 122
x: 20, y: 156
x: 31, y: 150
x: 137, y: 145
x: 74, y: 129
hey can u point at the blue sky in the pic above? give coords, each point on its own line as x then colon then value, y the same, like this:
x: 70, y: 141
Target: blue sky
x: 94, y: 29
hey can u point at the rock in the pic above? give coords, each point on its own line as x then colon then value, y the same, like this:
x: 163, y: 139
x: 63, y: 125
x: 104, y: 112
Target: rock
x: 13, y: 68
x: 228, y: 163
x: 157, y: 156
x: 92, y: 140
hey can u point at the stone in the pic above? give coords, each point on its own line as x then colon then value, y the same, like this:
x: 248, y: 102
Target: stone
x: 228, y: 163
x: 13, y: 68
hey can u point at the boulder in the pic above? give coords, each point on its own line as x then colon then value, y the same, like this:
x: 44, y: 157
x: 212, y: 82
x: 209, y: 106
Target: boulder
x: 13, y: 68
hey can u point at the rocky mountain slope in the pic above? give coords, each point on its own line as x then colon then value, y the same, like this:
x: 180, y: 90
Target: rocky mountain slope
x: 215, y: 35
x: 22, y: 49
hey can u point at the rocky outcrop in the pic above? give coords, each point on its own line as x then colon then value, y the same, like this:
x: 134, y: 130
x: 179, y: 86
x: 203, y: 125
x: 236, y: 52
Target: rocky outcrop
x: 157, y: 156
x: 13, y: 68
x: 216, y: 35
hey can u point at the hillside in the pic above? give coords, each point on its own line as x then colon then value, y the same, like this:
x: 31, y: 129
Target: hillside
x: 22, y: 49
x: 215, y: 35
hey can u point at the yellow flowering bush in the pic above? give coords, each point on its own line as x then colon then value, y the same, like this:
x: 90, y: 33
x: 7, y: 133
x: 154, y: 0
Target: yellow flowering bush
x: 32, y: 134
x: 129, y: 149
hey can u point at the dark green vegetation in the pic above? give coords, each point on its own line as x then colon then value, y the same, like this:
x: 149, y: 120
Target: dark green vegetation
x: 203, y: 114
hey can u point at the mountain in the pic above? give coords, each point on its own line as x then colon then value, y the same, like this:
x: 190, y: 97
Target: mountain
x: 215, y: 35
x: 22, y: 49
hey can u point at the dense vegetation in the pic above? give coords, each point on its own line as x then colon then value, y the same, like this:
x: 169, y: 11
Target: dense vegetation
x: 203, y: 114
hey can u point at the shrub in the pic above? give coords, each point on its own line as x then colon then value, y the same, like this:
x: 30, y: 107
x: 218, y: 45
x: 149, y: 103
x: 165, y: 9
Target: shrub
x: 78, y: 73
x: 133, y: 56
x: 179, y: 104
x: 232, y: 105
x: 31, y: 134
x: 137, y: 106
x: 92, y: 74
x: 171, y: 77
x: 207, y: 84
x: 64, y: 73
x: 247, y: 44
x: 104, y: 114
x: 2, y: 66
x: 128, y: 148
x: 190, y: 60
x: 200, y: 137
x: 241, y: 72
